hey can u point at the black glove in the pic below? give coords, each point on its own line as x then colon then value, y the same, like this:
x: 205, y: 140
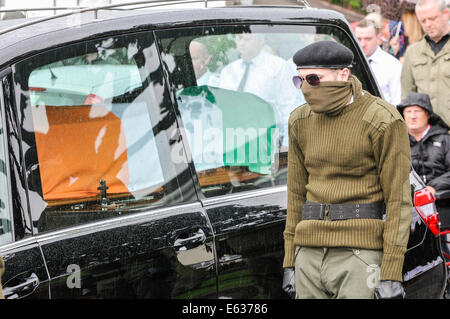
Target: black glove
x: 389, y: 289
x: 289, y: 282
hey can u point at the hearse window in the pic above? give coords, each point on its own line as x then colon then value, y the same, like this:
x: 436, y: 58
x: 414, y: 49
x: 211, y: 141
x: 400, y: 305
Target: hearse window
x: 5, y: 219
x: 233, y: 86
x: 94, y: 128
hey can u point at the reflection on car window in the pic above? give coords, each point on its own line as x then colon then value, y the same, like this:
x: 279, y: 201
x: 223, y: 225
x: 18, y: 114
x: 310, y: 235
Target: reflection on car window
x: 234, y: 93
x: 94, y: 152
x: 5, y: 219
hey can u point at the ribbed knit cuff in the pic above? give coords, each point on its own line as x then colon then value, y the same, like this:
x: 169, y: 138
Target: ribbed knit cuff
x: 392, y: 266
x: 289, y: 251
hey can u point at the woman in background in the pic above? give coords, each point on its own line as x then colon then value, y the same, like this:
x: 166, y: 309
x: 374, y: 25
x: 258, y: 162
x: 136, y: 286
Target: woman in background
x: 404, y: 32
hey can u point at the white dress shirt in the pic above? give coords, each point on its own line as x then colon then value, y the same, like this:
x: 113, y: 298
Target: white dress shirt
x: 387, y: 70
x: 208, y: 78
x: 270, y: 78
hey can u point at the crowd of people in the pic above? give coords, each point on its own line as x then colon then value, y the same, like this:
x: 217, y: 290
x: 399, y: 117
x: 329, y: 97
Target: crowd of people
x: 414, y: 66
x: 410, y: 61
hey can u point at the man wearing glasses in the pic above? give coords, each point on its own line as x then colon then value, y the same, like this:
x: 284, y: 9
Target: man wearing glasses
x: 349, y: 199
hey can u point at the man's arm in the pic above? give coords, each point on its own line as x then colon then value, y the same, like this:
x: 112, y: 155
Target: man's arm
x: 443, y: 182
x: 391, y: 148
x: 296, y: 193
x: 407, y: 80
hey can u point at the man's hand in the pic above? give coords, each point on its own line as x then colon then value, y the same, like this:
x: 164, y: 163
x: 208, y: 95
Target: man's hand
x: 289, y: 282
x: 388, y: 289
x: 432, y: 190
x: 395, y: 44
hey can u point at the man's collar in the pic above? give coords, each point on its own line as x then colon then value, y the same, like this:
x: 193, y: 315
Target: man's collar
x: 427, y: 37
x: 374, y: 55
x: 257, y: 58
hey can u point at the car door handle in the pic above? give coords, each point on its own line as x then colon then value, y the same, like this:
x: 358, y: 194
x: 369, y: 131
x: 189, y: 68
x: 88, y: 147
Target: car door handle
x: 190, y: 240
x: 23, y: 289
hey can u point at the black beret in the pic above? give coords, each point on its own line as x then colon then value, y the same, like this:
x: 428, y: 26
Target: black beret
x: 323, y: 54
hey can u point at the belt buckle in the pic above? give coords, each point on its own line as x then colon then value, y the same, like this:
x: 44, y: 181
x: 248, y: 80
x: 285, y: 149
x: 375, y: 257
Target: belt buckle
x: 324, y: 211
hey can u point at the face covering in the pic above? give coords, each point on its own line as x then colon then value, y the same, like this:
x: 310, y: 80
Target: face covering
x: 328, y: 97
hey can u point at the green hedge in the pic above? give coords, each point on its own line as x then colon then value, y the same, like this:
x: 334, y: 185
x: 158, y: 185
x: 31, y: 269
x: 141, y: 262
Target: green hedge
x: 356, y: 5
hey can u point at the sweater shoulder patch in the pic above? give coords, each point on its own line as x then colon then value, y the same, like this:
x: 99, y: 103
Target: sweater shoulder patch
x: 301, y: 112
x: 380, y: 113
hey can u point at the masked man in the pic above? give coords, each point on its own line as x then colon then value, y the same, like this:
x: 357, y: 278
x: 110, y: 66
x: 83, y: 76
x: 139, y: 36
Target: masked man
x: 349, y: 198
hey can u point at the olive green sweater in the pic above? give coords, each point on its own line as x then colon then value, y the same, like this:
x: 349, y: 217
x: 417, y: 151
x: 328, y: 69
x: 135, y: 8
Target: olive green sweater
x: 361, y: 155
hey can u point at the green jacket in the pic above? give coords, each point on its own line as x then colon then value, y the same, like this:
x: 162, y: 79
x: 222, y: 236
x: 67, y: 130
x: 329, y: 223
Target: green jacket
x: 425, y: 72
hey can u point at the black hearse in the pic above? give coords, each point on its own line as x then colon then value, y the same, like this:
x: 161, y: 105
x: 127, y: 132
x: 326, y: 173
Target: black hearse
x: 125, y: 174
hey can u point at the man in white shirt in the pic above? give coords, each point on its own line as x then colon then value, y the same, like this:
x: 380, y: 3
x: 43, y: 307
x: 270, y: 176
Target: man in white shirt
x: 386, y: 68
x: 200, y: 60
x: 264, y: 75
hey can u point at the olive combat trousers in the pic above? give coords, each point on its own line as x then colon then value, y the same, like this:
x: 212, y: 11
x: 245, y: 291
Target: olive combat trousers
x: 345, y: 273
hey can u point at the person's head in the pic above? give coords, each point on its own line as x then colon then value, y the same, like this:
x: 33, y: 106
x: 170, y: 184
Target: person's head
x: 368, y: 36
x: 413, y: 29
x: 381, y: 24
x: 416, y: 119
x: 323, y: 76
x: 323, y: 61
x: 249, y: 45
x: 200, y: 58
x: 416, y: 110
x: 433, y: 16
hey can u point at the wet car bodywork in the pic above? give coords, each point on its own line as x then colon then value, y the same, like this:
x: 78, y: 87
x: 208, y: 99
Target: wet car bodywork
x: 196, y: 246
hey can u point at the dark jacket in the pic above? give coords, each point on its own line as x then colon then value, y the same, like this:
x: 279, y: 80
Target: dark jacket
x: 430, y: 156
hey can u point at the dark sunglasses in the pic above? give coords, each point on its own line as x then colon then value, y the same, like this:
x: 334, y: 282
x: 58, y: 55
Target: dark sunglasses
x: 312, y: 79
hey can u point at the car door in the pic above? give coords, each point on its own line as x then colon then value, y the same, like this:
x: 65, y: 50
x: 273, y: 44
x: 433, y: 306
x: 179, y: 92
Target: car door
x: 111, y: 195
x: 25, y: 270
x: 244, y: 197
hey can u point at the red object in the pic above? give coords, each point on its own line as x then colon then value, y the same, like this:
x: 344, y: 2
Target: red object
x: 424, y: 204
x: 37, y: 89
x: 93, y: 99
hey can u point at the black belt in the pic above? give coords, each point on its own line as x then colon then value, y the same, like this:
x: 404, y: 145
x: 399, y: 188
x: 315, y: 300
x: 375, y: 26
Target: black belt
x: 312, y: 210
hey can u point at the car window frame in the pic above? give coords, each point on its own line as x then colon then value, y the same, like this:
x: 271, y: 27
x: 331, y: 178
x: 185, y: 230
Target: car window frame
x: 20, y: 205
x: 179, y: 168
x: 4, y: 143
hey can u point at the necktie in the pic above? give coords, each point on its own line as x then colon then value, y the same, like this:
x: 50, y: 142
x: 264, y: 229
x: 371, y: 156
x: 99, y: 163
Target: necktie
x: 245, y: 76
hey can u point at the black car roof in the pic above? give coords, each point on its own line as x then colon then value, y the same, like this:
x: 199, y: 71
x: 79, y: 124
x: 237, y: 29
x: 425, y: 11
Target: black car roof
x: 43, y: 35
